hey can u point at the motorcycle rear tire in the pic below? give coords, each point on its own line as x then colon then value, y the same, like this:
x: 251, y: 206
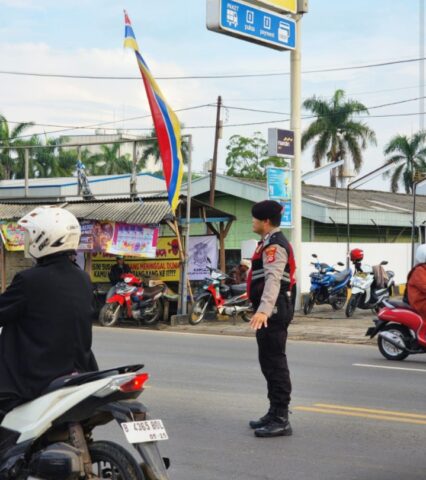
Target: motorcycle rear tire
x: 341, y: 300
x: 351, y: 306
x: 157, y: 313
x: 110, y: 460
x: 308, y: 303
x: 246, y: 316
x: 109, y: 314
x: 385, y: 351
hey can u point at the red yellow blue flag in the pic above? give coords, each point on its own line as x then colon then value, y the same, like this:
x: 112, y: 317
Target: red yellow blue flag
x: 166, y: 123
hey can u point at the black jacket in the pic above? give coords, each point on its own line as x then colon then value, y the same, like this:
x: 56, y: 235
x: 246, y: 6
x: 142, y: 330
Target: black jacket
x: 46, y: 315
x: 116, y: 272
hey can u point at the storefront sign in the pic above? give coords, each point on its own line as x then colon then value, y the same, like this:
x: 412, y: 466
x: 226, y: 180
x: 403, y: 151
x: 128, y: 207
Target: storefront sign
x: 166, y: 265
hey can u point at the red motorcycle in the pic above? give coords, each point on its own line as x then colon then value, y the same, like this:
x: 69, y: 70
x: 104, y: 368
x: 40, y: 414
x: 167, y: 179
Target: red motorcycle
x: 231, y: 300
x: 401, y: 331
x: 130, y: 300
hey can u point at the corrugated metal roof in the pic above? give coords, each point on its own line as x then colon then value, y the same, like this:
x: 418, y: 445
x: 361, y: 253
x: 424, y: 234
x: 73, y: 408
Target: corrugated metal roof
x: 149, y: 212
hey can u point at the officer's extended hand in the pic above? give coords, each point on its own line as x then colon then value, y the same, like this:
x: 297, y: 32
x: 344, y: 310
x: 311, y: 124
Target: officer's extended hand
x: 258, y: 320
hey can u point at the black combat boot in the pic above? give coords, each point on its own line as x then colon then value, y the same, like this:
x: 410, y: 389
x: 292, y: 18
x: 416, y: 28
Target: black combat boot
x: 277, y: 426
x: 254, y: 424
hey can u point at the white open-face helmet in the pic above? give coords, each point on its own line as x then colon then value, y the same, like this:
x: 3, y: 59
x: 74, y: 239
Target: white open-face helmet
x: 421, y: 254
x: 50, y: 230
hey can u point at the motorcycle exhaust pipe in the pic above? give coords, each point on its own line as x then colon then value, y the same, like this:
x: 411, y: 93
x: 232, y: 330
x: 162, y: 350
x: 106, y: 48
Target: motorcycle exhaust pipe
x: 234, y: 310
x: 393, y: 339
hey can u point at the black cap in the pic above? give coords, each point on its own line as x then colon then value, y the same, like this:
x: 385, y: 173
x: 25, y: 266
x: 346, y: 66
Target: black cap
x: 266, y: 210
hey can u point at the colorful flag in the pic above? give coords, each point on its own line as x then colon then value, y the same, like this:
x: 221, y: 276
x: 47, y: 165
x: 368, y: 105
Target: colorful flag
x: 165, y: 120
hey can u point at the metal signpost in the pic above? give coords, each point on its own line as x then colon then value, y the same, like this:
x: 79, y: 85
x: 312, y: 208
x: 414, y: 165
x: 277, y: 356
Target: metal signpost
x: 243, y: 19
x: 262, y: 22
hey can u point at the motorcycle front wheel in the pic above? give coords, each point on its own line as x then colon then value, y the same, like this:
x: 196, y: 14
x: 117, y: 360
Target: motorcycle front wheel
x: 109, y: 314
x: 109, y: 460
x: 199, y: 309
x: 351, y: 306
x: 153, y: 313
x: 308, y: 303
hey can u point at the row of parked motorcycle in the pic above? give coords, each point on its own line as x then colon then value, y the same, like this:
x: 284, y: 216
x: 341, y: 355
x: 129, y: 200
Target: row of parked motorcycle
x: 370, y: 286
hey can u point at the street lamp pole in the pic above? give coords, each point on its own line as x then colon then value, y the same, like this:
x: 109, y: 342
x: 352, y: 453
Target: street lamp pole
x: 422, y: 64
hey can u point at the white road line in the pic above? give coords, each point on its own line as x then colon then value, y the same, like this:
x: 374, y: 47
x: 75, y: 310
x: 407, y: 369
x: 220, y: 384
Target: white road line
x: 422, y: 370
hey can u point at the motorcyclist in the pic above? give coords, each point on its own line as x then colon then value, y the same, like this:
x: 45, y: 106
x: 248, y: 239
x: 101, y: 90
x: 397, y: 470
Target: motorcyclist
x: 415, y: 292
x: 118, y: 270
x: 45, y: 312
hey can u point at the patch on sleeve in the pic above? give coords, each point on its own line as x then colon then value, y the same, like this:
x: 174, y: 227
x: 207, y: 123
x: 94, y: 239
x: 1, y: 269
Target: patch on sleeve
x: 270, y: 253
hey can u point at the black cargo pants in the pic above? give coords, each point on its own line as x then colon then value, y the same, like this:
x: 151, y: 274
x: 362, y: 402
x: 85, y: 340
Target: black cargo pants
x: 271, y: 343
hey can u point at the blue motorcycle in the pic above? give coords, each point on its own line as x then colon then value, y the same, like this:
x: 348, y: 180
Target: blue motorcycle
x: 328, y: 285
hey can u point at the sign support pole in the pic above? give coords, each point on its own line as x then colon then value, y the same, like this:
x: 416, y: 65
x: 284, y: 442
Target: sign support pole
x: 296, y: 126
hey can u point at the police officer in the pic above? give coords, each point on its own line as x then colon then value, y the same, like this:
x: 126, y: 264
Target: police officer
x: 270, y: 283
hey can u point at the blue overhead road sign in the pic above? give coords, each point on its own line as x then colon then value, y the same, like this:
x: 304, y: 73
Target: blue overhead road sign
x: 255, y: 24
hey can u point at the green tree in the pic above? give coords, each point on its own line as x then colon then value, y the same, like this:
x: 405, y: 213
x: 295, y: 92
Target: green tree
x: 151, y: 150
x: 408, y: 154
x: 336, y: 133
x: 248, y: 157
x: 9, y: 139
x: 108, y: 162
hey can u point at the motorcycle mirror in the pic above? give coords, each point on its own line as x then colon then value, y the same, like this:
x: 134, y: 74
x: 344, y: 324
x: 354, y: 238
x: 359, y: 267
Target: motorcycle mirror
x: 384, y: 262
x: 315, y: 255
x: 341, y: 264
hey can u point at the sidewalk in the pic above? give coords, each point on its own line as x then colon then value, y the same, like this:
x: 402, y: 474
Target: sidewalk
x: 322, y: 325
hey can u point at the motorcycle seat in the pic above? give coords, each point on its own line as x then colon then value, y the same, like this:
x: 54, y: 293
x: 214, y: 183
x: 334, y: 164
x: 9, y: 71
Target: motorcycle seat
x: 82, y: 378
x: 400, y: 304
x: 150, y: 292
x: 341, y: 276
x: 239, y: 289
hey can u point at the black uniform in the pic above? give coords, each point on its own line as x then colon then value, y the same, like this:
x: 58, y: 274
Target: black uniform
x: 272, y: 339
x: 46, y: 315
x: 116, y: 272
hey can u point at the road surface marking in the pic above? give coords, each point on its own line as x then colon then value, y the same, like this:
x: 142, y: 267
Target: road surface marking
x: 366, y: 365
x: 347, y: 413
x: 370, y: 410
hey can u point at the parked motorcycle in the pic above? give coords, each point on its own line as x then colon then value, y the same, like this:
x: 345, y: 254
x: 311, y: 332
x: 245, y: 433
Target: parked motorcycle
x: 231, y: 300
x: 401, y: 331
x: 51, y: 437
x: 130, y: 300
x: 365, y: 294
x: 328, y: 286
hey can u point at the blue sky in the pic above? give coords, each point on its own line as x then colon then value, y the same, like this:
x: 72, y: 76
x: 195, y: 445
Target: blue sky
x: 85, y: 37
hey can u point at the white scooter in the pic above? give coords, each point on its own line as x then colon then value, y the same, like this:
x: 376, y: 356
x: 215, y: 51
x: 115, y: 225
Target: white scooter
x: 50, y: 438
x: 364, y: 293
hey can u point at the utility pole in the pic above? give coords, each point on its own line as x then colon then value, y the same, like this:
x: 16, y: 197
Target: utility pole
x: 422, y: 64
x: 187, y: 224
x: 217, y: 136
x: 27, y: 169
x: 296, y: 126
x: 133, y: 179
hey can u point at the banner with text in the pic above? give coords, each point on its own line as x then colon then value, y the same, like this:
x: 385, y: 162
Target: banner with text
x: 203, y: 253
x: 13, y: 236
x: 166, y: 265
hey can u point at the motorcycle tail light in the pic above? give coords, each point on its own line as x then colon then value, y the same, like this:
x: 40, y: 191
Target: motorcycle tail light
x: 125, y: 384
x: 135, y: 384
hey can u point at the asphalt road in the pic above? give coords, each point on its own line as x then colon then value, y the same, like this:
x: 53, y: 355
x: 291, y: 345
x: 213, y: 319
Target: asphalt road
x: 355, y: 415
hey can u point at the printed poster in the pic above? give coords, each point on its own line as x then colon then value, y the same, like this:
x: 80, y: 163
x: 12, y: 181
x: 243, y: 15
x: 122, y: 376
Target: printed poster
x: 13, y: 236
x: 203, y: 253
x: 134, y: 240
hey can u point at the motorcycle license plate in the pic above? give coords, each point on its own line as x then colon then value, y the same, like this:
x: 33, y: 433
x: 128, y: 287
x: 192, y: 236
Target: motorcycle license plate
x: 145, y: 431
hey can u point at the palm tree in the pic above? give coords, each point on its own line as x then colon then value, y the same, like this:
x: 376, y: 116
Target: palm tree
x: 408, y: 154
x: 152, y: 150
x: 338, y: 136
x: 109, y: 161
x: 10, y: 138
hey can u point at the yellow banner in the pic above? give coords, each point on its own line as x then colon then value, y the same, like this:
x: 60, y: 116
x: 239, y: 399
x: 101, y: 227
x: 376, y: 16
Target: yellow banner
x: 289, y: 6
x: 165, y: 266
